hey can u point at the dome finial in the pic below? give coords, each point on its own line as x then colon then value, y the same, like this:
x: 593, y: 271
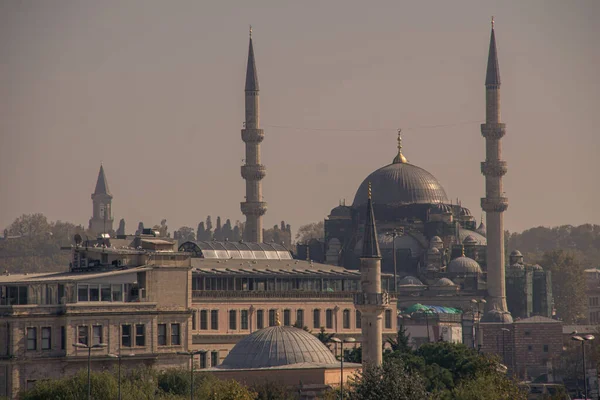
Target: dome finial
x: 369, y: 190
x: 251, y: 29
x: 400, y: 159
x: 277, y: 320
x: 462, y: 251
x: 492, y: 22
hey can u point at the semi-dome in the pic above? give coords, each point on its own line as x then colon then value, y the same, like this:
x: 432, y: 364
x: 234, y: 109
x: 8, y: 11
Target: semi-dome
x: 470, y: 241
x: 464, y: 265
x: 444, y: 282
x: 409, y: 280
x: 516, y: 253
x: 277, y: 346
x: 341, y: 212
x: 401, y: 183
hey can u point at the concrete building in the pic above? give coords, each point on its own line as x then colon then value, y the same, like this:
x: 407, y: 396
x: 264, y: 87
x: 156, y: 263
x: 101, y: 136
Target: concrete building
x: 592, y: 278
x: 253, y: 171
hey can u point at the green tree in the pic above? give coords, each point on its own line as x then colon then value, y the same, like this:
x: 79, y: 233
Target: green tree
x: 313, y: 230
x: 401, y: 341
x: 272, y: 390
x: 568, y: 278
x: 325, y: 337
x: 488, y: 387
x: 391, y: 381
x: 184, y: 234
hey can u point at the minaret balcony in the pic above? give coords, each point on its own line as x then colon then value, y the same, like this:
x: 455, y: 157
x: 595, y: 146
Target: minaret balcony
x: 258, y: 208
x: 494, y: 168
x: 254, y: 172
x: 494, y: 204
x: 371, y: 299
x: 493, y: 131
x: 253, y: 135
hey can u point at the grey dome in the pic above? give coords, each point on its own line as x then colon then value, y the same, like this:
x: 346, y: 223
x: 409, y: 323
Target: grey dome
x: 433, y: 251
x: 444, y: 282
x: 277, y: 346
x: 463, y: 233
x: 470, y: 241
x: 436, y: 239
x: 440, y: 209
x: 401, y: 184
x: 516, y: 253
x: 409, y: 280
x: 537, y: 267
x: 341, y: 211
x: 464, y: 265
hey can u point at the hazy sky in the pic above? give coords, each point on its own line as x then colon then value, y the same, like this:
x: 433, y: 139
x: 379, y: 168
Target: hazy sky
x: 154, y: 90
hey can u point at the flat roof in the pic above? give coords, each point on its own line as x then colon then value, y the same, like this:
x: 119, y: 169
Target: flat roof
x: 49, y: 277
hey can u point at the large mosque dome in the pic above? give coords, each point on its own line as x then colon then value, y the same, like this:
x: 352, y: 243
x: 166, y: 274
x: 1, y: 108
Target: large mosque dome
x: 277, y: 346
x: 401, y: 183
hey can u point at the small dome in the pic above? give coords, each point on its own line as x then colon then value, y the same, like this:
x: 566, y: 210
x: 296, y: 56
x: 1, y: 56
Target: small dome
x: 433, y: 251
x: 516, y: 253
x: 341, y: 211
x: 497, y: 316
x: 465, y: 212
x: 440, y: 209
x: 464, y: 265
x: 444, y: 282
x: 436, y: 239
x: 481, y: 229
x: 470, y: 241
x: 517, y: 266
x: 276, y: 346
x: 537, y: 267
x: 409, y: 280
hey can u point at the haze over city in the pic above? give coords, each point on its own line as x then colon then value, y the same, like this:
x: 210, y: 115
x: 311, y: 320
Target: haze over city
x: 154, y: 91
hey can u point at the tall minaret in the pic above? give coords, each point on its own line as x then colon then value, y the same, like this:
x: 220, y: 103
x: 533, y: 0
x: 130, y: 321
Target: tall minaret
x: 494, y: 203
x: 253, y: 171
x: 102, y: 218
x: 371, y: 302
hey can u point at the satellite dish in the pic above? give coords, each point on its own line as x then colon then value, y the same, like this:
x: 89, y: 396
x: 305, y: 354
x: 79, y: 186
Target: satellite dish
x: 77, y: 239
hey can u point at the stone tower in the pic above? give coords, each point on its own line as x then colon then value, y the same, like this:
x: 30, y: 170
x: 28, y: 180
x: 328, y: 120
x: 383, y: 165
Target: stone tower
x: 102, y: 218
x: 494, y: 203
x: 371, y: 302
x: 253, y: 171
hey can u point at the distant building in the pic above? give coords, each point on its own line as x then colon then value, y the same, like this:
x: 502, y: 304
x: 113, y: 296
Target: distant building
x: 592, y: 278
x: 102, y: 217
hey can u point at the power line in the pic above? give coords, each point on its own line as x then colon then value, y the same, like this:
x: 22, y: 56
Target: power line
x: 417, y: 127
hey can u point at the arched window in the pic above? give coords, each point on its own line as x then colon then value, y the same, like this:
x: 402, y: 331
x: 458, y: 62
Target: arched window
x: 329, y: 318
x: 358, y: 319
x: 300, y: 318
x: 388, y: 319
x: 317, y: 318
x: 346, y: 319
x: 287, y: 317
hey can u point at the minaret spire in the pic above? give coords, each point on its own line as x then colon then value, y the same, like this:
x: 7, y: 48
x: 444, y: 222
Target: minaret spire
x: 102, y: 218
x: 494, y: 203
x: 371, y: 301
x: 253, y: 171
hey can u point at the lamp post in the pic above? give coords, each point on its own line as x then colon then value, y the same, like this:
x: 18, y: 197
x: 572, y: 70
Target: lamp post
x: 476, y: 316
x: 191, y: 354
x: 341, y: 342
x: 119, y: 357
x: 89, y: 349
x: 583, y: 339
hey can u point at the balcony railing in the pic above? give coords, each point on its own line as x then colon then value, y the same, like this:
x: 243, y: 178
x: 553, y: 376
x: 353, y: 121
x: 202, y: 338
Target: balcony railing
x: 372, y: 299
x: 284, y: 294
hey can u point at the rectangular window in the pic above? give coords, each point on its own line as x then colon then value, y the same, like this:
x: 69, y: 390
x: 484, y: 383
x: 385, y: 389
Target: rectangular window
x: 388, y: 319
x: 63, y: 338
x: 194, y: 312
x: 329, y: 318
x: 82, y: 335
x: 316, y: 318
x: 529, y: 348
x: 82, y: 293
x: 287, y: 317
x: 346, y: 319
x: 244, y: 319
x: 545, y: 348
x: 105, y: 293
x: 272, y: 317
x: 260, y: 319
x: 203, y: 320
x: 203, y: 360
x: 214, y: 320
x: 117, y: 292
x: 140, y: 335
x: 358, y: 319
x: 175, y: 334
x: 233, y: 320
x: 46, y: 338
x: 126, y: 335
x: 300, y: 318
x: 94, y: 293
x: 214, y: 358
x: 97, y: 334
x: 162, y: 334
x: 31, y: 338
